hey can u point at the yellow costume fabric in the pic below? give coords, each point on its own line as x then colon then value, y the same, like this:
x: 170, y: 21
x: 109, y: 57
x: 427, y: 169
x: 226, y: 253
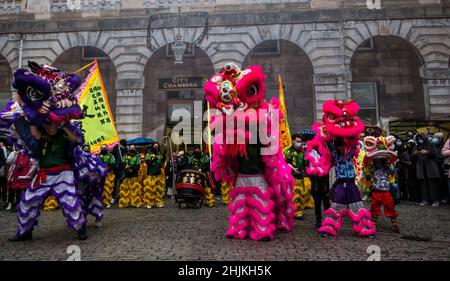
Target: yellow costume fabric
x: 302, y: 196
x: 208, y: 197
x: 225, y: 190
x: 154, y: 187
x: 130, y: 193
x: 50, y: 203
x: 108, y: 188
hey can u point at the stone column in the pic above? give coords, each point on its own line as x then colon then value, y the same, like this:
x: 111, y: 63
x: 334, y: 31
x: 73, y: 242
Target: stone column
x: 129, y: 108
x: 329, y: 86
x: 437, y: 86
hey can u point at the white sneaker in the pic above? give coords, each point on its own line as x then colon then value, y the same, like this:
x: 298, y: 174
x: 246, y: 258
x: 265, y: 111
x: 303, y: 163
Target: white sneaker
x: 423, y: 203
x: 98, y: 224
x: 160, y: 206
x: 113, y: 201
x: 435, y: 204
x: 108, y: 206
x: 149, y: 207
x: 9, y: 206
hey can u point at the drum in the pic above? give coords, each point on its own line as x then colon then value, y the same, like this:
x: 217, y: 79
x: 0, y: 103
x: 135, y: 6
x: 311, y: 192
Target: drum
x: 190, y: 188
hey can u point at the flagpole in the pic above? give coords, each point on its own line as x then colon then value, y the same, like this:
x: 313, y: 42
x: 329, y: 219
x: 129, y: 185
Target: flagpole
x: 209, y: 130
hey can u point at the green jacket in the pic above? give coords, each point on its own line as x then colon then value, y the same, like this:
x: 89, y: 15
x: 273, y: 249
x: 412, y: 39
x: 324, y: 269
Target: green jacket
x: 296, y: 158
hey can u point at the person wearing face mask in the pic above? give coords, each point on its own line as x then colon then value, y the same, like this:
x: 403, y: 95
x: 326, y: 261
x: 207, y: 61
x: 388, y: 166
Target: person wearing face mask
x: 154, y: 182
x: 427, y: 170
x: 409, y: 163
x: 409, y: 135
x: 131, y: 188
x: 295, y: 158
x: 107, y: 158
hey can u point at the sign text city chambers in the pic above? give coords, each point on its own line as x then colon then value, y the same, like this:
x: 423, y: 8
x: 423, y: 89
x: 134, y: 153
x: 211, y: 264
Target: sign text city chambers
x: 180, y: 83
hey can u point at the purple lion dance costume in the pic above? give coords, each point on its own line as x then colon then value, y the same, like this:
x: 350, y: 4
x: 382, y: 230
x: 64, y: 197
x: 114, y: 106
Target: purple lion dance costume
x: 336, y: 144
x: 38, y: 123
x: 261, y: 200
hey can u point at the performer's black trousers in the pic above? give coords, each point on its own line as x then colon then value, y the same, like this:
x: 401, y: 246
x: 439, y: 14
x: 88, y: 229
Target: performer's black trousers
x: 3, y: 189
x: 14, y: 196
x: 320, y: 187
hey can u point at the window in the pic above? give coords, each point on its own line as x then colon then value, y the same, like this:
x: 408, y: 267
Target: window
x: 269, y: 47
x: 365, y: 94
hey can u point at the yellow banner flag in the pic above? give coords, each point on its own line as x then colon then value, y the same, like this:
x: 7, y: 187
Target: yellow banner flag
x: 98, y: 125
x: 285, y: 133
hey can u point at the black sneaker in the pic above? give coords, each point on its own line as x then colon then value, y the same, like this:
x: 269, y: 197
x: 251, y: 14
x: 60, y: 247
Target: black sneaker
x: 323, y: 234
x: 81, y: 234
x: 24, y: 237
x: 318, y: 224
x: 266, y: 239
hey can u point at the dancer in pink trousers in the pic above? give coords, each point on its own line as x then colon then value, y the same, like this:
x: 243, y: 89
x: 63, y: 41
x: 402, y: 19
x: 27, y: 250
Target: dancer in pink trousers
x: 247, y: 154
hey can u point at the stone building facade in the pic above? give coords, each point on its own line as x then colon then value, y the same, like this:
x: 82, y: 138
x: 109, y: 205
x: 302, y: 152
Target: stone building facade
x: 393, y: 57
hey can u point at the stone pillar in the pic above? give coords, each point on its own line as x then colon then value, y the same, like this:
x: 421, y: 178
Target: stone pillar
x: 437, y: 86
x: 328, y: 86
x: 129, y: 108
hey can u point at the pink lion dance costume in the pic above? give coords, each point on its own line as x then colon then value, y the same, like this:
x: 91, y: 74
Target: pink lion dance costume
x: 336, y: 144
x: 261, y: 200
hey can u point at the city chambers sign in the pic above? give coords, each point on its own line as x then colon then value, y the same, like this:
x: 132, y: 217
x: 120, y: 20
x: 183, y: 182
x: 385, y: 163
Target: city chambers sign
x: 180, y: 83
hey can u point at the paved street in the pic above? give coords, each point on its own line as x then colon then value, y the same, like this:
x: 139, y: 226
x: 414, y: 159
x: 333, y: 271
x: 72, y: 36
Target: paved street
x: 188, y: 234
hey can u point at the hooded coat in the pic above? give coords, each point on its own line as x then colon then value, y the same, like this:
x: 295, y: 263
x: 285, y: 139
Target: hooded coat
x: 426, y: 165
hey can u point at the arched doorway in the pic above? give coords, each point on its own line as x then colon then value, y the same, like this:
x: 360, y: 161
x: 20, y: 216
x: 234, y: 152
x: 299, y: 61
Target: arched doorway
x: 281, y: 57
x: 76, y: 57
x: 169, y: 86
x: 5, y: 82
x: 387, y: 80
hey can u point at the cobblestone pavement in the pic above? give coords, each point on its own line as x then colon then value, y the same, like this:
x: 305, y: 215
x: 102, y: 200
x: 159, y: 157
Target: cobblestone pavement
x: 199, y: 234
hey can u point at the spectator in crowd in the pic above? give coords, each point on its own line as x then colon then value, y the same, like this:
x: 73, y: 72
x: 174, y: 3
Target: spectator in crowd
x: 410, y: 135
x: 404, y: 166
x: 412, y: 183
x: 21, y: 172
x: 170, y: 169
x: 427, y: 171
x: 182, y: 161
x: 438, y: 141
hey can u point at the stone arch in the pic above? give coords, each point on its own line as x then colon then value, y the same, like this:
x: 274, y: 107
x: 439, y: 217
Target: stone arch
x: 296, y: 70
x: 6, y: 77
x: 432, y: 48
x: 396, y: 69
x: 156, y: 100
x: 76, y: 57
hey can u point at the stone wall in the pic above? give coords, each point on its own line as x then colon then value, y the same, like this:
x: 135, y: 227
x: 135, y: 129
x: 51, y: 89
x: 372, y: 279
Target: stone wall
x: 328, y: 37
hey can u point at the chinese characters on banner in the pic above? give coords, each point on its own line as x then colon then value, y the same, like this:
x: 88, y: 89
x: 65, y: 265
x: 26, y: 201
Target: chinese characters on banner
x: 98, y: 125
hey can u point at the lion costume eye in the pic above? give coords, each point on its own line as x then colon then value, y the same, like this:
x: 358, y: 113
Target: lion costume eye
x: 33, y: 94
x: 60, y: 85
x: 332, y: 117
x: 252, y: 91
